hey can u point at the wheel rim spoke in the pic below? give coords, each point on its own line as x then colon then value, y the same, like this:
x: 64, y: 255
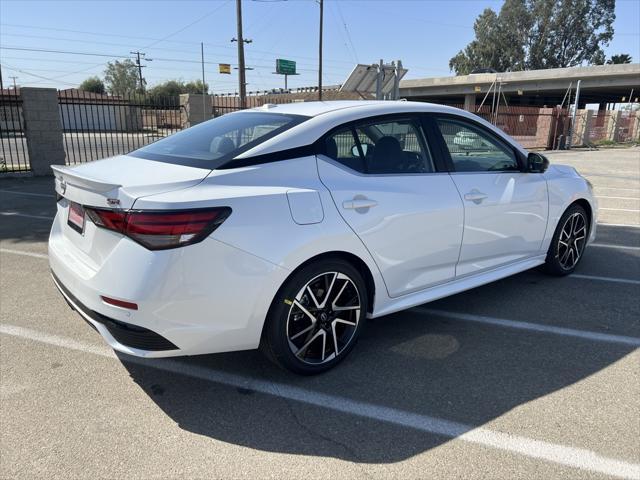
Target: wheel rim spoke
x: 313, y: 297
x: 333, y: 304
x: 304, y: 310
x: 302, y: 332
x: 301, y: 351
x: 326, y: 297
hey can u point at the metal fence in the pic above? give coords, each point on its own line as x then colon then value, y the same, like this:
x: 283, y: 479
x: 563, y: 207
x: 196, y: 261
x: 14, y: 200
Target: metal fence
x: 14, y: 155
x: 97, y: 126
x: 533, y: 127
x: 227, y: 103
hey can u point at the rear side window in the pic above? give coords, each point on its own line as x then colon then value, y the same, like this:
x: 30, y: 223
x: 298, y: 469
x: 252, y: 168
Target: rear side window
x: 216, y: 142
x: 474, y: 150
x: 385, y: 147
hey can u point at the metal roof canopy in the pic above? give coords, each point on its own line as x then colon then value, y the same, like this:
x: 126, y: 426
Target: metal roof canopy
x: 363, y: 78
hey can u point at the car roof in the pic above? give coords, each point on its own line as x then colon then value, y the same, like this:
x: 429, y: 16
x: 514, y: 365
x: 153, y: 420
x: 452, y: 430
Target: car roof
x: 323, y: 116
x: 313, y: 109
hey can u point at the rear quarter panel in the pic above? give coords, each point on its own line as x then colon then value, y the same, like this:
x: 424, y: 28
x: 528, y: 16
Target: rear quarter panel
x: 262, y: 221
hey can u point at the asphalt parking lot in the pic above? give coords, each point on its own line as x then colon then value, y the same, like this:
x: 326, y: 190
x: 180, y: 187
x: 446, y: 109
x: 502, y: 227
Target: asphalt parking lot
x: 530, y: 377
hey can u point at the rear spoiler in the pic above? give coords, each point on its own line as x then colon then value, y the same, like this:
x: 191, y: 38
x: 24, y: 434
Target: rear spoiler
x: 72, y: 177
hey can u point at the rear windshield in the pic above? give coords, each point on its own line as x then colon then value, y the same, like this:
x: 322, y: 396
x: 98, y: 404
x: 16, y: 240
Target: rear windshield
x: 216, y: 142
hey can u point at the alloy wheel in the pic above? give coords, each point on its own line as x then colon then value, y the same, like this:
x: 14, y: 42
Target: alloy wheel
x: 323, y: 318
x: 572, y: 240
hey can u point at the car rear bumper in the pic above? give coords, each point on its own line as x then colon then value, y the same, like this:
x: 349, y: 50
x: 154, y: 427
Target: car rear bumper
x: 120, y: 335
x: 204, y: 298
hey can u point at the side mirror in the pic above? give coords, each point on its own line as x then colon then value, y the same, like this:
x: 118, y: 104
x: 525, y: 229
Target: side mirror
x: 537, y: 163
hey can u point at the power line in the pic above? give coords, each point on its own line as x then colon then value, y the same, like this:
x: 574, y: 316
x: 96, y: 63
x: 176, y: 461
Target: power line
x: 188, y: 25
x: 91, y: 54
x: 33, y: 74
x: 160, y: 59
x: 346, y: 29
x: 208, y: 45
x: 227, y: 55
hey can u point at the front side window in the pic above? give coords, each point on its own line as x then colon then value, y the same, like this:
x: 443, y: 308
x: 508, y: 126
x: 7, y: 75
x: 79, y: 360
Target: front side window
x: 473, y: 150
x: 386, y: 147
x: 216, y: 142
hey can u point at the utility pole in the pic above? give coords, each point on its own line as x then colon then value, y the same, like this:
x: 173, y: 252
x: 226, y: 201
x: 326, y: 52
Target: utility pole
x: 204, y: 89
x: 320, y: 55
x: 139, y: 54
x: 14, y: 78
x: 241, y: 69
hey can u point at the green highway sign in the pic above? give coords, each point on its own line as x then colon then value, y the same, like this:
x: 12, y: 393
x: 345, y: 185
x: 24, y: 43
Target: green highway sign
x: 285, y: 67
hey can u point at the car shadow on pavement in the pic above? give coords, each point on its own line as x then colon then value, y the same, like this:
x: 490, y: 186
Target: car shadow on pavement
x: 425, y: 365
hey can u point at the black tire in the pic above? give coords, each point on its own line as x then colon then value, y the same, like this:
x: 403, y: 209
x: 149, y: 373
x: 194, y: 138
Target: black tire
x: 288, y: 326
x: 562, y: 260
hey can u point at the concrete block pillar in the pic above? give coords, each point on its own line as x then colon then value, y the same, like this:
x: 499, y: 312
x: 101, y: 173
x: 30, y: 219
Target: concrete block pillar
x: 195, y: 108
x: 470, y: 102
x: 634, y: 126
x: 587, y: 125
x: 544, y: 126
x: 612, y: 126
x: 43, y: 129
x: 581, y: 129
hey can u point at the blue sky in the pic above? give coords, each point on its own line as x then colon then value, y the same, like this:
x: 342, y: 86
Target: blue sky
x: 424, y: 34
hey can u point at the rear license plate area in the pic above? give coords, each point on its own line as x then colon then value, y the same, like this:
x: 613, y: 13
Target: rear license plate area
x: 76, y: 217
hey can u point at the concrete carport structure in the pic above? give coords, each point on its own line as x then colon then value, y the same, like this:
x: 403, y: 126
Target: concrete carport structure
x: 599, y: 84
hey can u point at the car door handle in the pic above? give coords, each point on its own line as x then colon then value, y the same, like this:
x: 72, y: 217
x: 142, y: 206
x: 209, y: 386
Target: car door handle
x: 475, y: 196
x: 357, y: 203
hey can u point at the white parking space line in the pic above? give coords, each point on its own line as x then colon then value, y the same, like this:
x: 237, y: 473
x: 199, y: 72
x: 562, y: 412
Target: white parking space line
x: 606, y: 279
x: 628, y: 225
x: 579, y: 458
x: 28, y: 194
x: 618, y: 198
x: 24, y: 253
x: 618, y: 247
x: 618, y: 188
x: 619, y: 209
x: 17, y: 214
x: 534, y: 327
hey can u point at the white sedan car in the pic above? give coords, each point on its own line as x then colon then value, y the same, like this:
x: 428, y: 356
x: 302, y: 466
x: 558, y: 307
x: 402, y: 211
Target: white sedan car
x: 286, y: 226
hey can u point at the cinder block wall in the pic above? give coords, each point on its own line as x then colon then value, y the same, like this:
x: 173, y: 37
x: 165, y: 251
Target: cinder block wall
x: 43, y: 129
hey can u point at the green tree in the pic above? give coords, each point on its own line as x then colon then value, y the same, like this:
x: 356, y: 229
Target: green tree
x: 93, y: 84
x: 121, y: 78
x: 176, y: 87
x: 196, y: 87
x: 538, y: 34
x: 620, y: 58
x: 167, y: 89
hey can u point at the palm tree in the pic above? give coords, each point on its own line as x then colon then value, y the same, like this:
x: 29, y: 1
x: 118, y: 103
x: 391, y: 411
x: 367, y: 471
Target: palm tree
x: 620, y: 58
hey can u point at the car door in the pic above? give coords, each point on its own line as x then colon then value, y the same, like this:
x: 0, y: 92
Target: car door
x: 385, y: 184
x: 505, y: 209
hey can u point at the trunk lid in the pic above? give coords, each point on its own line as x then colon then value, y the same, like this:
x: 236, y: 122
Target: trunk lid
x: 117, y: 182
x: 113, y: 183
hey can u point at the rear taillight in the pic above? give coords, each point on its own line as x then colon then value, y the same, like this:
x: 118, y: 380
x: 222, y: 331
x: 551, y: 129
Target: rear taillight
x: 159, y: 230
